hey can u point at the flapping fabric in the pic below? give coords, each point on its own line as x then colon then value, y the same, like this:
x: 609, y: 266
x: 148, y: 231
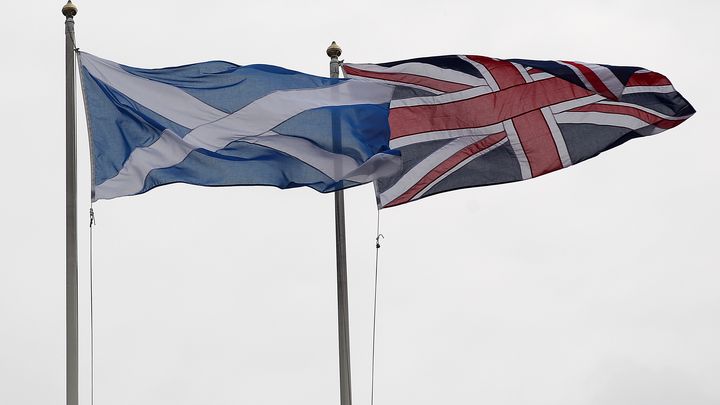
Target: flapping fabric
x: 219, y: 124
x: 465, y: 121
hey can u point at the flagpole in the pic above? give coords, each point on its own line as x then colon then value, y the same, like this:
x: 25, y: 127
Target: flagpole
x: 334, y: 51
x: 71, y: 251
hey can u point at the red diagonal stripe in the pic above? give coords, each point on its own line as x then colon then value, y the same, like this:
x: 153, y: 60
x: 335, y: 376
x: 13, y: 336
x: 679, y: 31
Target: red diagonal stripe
x: 483, y: 110
x: 436, y: 84
x: 651, y: 119
x: 594, y: 80
x: 648, y: 79
x: 446, y: 165
x: 537, y: 142
x: 505, y: 73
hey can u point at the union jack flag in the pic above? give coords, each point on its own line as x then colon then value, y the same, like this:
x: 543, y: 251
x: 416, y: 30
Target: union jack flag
x: 464, y: 121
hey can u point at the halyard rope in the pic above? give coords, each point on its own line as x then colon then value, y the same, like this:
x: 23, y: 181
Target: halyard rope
x: 377, y: 254
x: 92, y: 315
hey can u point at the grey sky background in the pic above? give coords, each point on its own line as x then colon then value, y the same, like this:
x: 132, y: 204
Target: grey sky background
x: 597, y: 284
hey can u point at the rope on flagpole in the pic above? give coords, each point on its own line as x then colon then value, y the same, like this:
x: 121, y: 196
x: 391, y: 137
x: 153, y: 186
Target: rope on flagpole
x: 92, y: 313
x: 377, y: 255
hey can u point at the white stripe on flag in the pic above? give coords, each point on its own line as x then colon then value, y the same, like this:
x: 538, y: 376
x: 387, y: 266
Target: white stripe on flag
x: 426, y: 70
x: 419, y: 171
x: 579, y: 74
x: 458, y: 167
x: 483, y: 71
x: 600, y: 118
x: 166, y: 151
x: 524, y: 73
x: 647, y: 110
x: 442, y: 98
x: 608, y: 78
x: 378, y: 166
x: 334, y: 165
x: 518, y: 149
x: 393, y: 83
x: 541, y: 76
x: 557, y: 137
x: 184, y: 109
x: 578, y: 102
x: 648, y: 89
x: 450, y: 134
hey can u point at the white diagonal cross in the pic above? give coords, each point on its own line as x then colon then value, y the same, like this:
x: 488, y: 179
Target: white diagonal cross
x: 212, y: 129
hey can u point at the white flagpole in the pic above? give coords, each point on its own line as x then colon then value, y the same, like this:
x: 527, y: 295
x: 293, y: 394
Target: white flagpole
x: 334, y: 52
x: 71, y: 251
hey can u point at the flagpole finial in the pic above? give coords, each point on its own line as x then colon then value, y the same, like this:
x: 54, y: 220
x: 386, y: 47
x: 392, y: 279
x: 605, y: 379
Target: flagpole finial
x: 69, y: 10
x: 334, y: 50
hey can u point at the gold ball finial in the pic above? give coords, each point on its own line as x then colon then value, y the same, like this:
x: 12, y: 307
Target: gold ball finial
x: 334, y: 50
x: 69, y: 10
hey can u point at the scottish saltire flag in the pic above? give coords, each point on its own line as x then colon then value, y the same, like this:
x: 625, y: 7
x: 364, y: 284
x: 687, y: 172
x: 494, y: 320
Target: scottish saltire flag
x: 466, y: 121
x: 218, y: 124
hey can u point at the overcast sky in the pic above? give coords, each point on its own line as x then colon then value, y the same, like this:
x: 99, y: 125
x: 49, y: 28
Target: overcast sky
x: 597, y: 284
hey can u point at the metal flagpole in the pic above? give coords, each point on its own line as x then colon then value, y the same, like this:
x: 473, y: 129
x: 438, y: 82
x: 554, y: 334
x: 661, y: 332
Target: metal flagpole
x: 334, y: 52
x: 71, y: 251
